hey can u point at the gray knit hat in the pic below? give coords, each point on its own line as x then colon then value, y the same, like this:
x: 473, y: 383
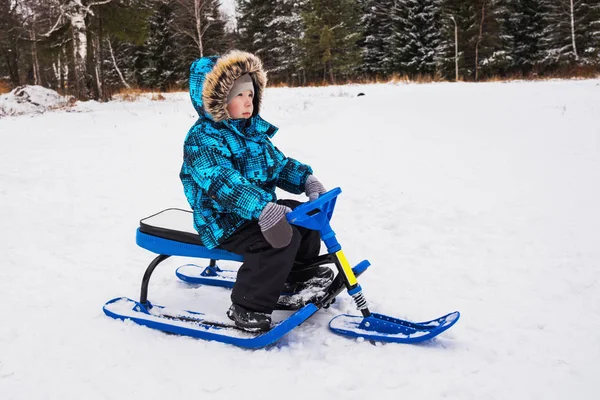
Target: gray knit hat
x: 241, y: 84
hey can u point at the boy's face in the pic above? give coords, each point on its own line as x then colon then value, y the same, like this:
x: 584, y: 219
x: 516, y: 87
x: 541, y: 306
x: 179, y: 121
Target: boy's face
x: 241, y: 106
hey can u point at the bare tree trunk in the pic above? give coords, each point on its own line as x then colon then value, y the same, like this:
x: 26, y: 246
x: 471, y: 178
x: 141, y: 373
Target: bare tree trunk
x: 64, y: 72
x: 455, y: 47
x: 198, y: 5
x: 75, y: 12
x: 331, y: 75
x: 112, y: 56
x: 97, y: 66
x: 35, y: 64
x: 572, y: 10
x: 79, y: 32
x: 12, y: 61
x: 479, y: 39
x: 189, y: 21
x: 56, y: 70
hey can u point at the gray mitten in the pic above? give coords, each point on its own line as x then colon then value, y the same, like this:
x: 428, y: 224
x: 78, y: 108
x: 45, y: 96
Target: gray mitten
x: 274, y: 225
x: 313, y: 188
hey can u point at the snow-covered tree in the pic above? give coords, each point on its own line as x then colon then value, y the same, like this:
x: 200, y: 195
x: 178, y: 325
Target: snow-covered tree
x: 416, y: 39
x: 9, y: 39
x: 523, y: 23
x: 201, y: 22
x: 376, y: 47
x: 157, y: 58
x: 594, y: 32
x: 491, y: 57
x: 123, y: 30
x: 252, y: 19
x: 480, y: 35
x: 272, y: 30
x: 571, y: 36
x: 74, y: 13
x: 332, y: 30
x: 454, y: 23
x: 283, y: 44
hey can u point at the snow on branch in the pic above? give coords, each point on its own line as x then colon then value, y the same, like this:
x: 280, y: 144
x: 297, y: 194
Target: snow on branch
x: 55, y: 27
x: 88, y: 9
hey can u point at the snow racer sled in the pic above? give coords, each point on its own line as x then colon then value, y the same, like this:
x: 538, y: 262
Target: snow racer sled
x: 168, y: 233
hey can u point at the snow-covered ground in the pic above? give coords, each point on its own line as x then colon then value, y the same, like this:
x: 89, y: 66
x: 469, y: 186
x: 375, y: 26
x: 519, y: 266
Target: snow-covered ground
x: 482, y: 198
x: 30, y: 99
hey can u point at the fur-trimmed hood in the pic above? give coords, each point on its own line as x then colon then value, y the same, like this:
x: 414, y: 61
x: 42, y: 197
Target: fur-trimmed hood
x: 211, y: 79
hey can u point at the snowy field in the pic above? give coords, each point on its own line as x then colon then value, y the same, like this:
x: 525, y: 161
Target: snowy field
x: 482, y: 198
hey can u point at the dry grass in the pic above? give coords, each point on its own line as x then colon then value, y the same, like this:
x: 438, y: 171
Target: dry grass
x: 573, y: 73
x: 133, y: 94
x: 4, y: 87
x: 129, y: 94
x: 396, y: 78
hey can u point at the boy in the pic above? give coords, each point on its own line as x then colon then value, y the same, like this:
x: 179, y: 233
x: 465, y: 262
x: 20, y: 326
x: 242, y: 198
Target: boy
x: 230, y: 171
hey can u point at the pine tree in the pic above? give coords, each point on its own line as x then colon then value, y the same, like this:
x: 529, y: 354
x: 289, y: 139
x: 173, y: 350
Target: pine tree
x: 9, y: 38
x: 215, y: 40
x: 271, y: 30
x: 571, y: 33
x: 455, y: 22
x: 376, y: 47
x: 480, y: 37
x: 492, y: 57
x: 523, y: 23
x: 157, y: 57
x: 595, y: 33
x: 590, y: 32
x: 125, y: 29
x: 283, y: 41
x: 416, y: 39
x: 330, y: 39
x: 253, y: 17
x: 200, y: 27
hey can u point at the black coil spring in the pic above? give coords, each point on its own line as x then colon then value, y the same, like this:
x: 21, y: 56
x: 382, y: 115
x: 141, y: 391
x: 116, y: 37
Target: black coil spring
x: 359, y: 299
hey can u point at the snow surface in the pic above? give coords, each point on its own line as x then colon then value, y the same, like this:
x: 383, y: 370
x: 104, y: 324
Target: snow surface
x: 30, y: 99
x: 482, y: 198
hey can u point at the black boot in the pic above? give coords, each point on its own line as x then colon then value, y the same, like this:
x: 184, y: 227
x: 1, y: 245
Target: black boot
x: 248, y: 320
x: 308, y: 277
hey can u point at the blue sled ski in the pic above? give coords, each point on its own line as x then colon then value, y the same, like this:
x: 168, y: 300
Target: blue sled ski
x: 379, y: 327
x: 201, y: 326
x: 171, y: 233
x: 221, y: 329
x: 210, y: 275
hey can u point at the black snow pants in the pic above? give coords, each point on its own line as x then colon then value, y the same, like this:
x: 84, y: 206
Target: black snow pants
x: 265, y: 270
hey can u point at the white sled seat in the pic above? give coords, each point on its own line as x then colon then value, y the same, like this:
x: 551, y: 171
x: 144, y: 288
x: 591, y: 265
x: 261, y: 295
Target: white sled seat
x: 171, y: 232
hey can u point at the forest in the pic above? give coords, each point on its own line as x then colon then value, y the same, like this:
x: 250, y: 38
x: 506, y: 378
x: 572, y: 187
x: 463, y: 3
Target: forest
x: 92, y: 49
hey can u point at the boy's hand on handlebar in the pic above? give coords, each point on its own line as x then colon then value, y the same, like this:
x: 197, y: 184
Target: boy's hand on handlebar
x: 313, y: 188
x: 274, y: 225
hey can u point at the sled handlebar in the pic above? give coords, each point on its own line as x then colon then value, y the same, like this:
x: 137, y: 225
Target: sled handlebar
x: 315, y: 214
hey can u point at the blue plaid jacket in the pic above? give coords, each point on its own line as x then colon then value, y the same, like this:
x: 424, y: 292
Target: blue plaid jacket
x: 231, y: 168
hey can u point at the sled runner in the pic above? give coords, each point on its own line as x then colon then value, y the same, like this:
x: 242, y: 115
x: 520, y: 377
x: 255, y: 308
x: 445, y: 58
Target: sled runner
x: 171, y: 233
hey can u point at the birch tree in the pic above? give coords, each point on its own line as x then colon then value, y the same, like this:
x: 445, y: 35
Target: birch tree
x: 195, y: 18
x: 569, y: 35
x: 74, y: 13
